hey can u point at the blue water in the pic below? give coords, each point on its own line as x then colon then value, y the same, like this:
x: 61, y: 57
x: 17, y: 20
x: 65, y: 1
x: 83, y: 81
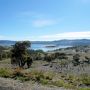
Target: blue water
x: 42, y: 47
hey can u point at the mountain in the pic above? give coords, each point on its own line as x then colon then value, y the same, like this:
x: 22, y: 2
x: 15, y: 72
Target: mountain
x: 57, y: 42
x: 73, y: 42
x: 7, y: 42
x: 66, y: 42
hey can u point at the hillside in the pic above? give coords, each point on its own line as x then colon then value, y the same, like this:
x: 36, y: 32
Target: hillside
x: 62, y: 69
x: 57, y: 42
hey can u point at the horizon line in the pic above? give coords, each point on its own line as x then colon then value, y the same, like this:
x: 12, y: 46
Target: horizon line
x: 44, y: 40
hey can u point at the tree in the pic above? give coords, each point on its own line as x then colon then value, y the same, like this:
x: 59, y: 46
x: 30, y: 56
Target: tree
x: 19, y: 53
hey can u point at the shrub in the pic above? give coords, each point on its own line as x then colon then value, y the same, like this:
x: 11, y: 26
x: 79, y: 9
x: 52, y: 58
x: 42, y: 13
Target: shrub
x: 60, y: 55
x: 85, y: 78
x: 76, y: 59
x: 4, y: 72
x: 59, y: 83
x: 44, y: 81
x: 23, y: 79
x: 84, y: 89
x: 18, y: 72
x: 69, y: 86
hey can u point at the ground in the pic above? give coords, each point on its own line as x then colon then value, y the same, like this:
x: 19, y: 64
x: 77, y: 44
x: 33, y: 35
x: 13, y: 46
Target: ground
x: 60, y: 74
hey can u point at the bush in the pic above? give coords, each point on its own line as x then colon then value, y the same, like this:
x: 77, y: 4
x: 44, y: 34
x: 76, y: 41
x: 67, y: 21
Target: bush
x: 76, y: 59
x: 18, y: 72
x: 44, y: 81
x: 84, y: 89
x: 22, y: 78
x: 85, y: 78
x: 63, y: 56
x: 4, y: 72
x: 59, y: 83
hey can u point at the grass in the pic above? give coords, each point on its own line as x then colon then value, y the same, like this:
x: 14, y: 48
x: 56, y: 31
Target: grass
x: 58, y: 83
x: 85, y: 78
x: 39, y: 76
x: 84, y: 89
x: 47, y: 78
x: 4, y: 72
x: 5, y: 61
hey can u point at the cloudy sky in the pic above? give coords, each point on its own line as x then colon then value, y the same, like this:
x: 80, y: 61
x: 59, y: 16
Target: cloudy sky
x: 44, y: 19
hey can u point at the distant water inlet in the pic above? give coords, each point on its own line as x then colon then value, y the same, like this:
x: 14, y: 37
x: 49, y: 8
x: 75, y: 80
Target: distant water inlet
x: 47, y: 47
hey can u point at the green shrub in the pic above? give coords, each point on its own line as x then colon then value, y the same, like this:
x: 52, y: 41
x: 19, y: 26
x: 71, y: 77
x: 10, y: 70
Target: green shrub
x: 85, y: 79
x: 44, y: 81
x: 69, y: 86
x: 4, y: 72
x: 23, y: 79
x: 59, y: 83
x: 84, y: 89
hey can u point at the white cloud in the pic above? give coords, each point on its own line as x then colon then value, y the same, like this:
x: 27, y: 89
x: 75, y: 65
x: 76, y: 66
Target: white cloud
x: 68, y: 35
x: 38, y: 20
x: 43, y: 22
x: 14, y: 38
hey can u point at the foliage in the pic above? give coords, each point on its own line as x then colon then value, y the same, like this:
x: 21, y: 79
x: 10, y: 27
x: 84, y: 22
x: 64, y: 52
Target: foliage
x: 4, y: 52
x: 48, y: 78
x: 60, y: 55
x: 58, y: 83
x: 37, y: 54
x: 4, y: 72
x: 76, y: 58
x: 49, y: 57
x: 85, y: 78
x: 17, y: 72
x: 84, y: 89
x: 19, y: 53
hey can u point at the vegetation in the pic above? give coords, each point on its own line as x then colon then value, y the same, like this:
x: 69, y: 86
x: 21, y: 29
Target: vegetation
x: 56, y: 68
x: 19, y: 54
x: 76, y: 59
x: 4, y: 52
x: 48, y: 78
x: 4, y: 72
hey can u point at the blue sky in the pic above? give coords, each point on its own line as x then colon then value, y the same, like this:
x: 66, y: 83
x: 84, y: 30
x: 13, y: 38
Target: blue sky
x: 44, y: 19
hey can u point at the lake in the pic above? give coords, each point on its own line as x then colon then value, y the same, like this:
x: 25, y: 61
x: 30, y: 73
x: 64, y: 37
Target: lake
x: 40, y: 46
x: 44, y: 48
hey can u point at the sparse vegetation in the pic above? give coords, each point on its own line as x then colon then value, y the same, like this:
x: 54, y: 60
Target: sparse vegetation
x: 54, y: 68
x: 4, y: 72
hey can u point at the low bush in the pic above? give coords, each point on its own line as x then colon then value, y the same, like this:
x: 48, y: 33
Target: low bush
x: 85, y: 78
x: 58, y: 83
x: 17, y: 72
x: 22, y: 78
x: 4, y: 72
x: 84, y: 89
x: 48, y: 78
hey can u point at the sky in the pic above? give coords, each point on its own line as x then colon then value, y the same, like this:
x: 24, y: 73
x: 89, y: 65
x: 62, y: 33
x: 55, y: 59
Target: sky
x: 44, y: 20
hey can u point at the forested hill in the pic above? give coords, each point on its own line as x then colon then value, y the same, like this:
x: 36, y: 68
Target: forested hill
x: 57, y: 42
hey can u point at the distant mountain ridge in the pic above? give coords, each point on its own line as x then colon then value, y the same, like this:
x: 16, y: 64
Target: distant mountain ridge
x: 7, y: 42
x: 57, y: 42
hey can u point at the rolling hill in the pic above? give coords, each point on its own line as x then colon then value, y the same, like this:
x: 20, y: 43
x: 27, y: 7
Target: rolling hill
x: 57, y: 42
